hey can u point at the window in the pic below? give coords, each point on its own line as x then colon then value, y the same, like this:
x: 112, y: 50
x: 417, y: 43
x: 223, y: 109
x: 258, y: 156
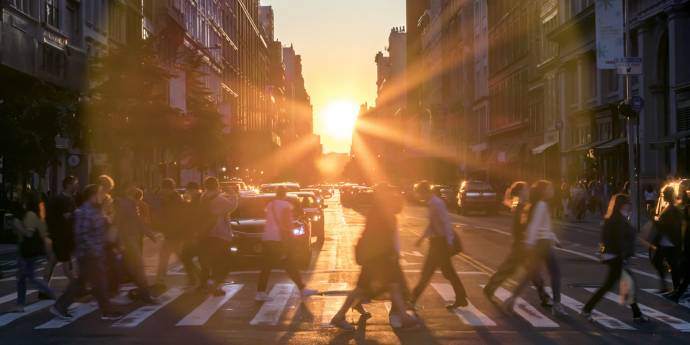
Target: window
x: 52, y: 13
x: 25, y: 6
x: 53, y: 61
x: 117, y: 24
x: 72, y: 23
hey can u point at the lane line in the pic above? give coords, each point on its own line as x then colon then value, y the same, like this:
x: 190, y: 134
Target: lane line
x: 210, y: 306
x: 672, y: 321
x: 270, y: 312
x: 29, y: 309
x: 139, y: 315
x: 597, y: 316
x: 78, y: 310
x: 526, y: 310
x: 13, y: 296
x: 470, y: 315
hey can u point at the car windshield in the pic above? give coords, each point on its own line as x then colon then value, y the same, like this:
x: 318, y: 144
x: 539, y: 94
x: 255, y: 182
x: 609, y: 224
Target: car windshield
x: 255, y: 208
x: 307, y: 201
x: 478, y: 187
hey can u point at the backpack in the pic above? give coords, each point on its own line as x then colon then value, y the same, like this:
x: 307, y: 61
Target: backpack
x: 31, y: 246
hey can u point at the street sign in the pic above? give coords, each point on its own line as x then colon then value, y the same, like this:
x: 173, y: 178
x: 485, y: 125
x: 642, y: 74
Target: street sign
x: 636, y: 103
x: 629, y: 66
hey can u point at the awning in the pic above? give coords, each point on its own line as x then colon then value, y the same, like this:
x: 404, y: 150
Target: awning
x: 612, y: 144
x: 543, y: 147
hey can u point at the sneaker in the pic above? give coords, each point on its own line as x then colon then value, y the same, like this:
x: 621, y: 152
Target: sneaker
x: 558, y: 310
x: 111, y: 316
x: 120, y: 300
x: 308, y: 293
x: 459, y: 303
x: 641, y: 319
x: 587, y: 315
x: 60, y: 314
x: 262, y: 297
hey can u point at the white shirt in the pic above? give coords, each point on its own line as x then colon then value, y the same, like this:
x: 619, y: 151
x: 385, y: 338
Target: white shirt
x: 278, y: 215
x: 540, y: 227
x: 439, y: 222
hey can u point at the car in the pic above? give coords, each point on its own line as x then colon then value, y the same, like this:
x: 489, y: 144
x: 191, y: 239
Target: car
x: 248, y: 220
x: 447, y: 193
x: 362, y: 197
x: 680, y: 187
x: 317, y: 193
x: 238, y: 184
x: 313, y: 208
x: 475, y: 195
x: 273, y: 187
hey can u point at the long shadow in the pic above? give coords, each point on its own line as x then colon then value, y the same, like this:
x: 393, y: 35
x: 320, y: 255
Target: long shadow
x: 302, y: 316
x: 359, y: 335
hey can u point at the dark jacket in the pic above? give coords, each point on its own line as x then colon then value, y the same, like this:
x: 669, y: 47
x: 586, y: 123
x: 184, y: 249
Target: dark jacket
x: 618, y: 237
x: 168, y: 218
x: 61, y: 228
x: 670, y: 224
x: 519, y: 226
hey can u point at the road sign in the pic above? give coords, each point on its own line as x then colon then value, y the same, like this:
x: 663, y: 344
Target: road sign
x: 636, y: 103
x: 629, y: 66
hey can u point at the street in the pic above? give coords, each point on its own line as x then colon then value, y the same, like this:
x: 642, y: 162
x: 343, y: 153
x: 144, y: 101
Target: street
x: 185, y: 317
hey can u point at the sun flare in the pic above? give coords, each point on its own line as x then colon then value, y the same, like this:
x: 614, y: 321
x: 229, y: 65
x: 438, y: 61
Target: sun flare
x: 339, y: 119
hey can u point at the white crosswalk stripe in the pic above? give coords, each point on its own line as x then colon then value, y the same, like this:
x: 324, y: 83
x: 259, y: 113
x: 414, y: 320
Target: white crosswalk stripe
x: 29, y: 309
x: 202, y: 313
x: 527, y: 311
x: 683, y: 302
x: 470, y: 315
x: 270, y: 312
x: 139, y: 315
x: 672, y: 321
x: 78, y: 310
x: 597, y: 316
x: 13, y: 296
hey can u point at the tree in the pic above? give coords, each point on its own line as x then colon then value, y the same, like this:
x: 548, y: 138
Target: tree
x: 203, y: 136
x: 127, y: 114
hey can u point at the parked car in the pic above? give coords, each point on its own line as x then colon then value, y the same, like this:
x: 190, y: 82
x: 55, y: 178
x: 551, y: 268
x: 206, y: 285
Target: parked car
x: 238, y: 184
x: 313, y: 208
x: 477, y: 196
x: 248, y: 220
x: 272, y: 187
x: 447, y: 193
x: 680, y: 187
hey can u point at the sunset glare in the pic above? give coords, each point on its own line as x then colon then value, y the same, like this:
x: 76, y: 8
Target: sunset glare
x: 338, y: 120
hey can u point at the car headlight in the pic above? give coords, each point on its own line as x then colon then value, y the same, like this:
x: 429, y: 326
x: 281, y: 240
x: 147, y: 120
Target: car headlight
x: 472, y: 194
x: 298, y: 231
x: 234, y: 249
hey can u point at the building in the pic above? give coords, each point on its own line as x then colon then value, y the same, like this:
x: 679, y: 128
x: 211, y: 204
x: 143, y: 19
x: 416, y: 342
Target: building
x: 299, y: 108
x: 479, y: 125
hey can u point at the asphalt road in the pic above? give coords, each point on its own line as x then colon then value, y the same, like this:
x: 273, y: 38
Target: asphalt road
x: 192, y: 318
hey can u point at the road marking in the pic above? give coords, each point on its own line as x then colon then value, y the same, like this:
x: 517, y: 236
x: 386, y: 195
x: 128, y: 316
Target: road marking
x: 682, y: 302
x: 470, y: 315
x: 331, y: 304
x: 210, y: 306
x: 138, y: 316
x: 13, y: 296
x: 598, y: 317
x: 270, y: 312
x: 31, y: 308
x: 79, y: 310
x: 414, y: 253
x: 672, y: 321
x: 527, y: 311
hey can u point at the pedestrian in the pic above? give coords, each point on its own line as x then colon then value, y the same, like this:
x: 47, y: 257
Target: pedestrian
x: 91, y: 238
x: 113, y: 261
x: 650, y: 198
x: 32, y: 239
x: 540, y: 241
x: 685, y: 282
x: 618, y: 239
x: 190, y: 241
x: 667, y: 241
x: 168, y: 221
x: 215, y: 236
x: 516, y: 197
x: 565, y: 198
x: 279, y: 223
x: 60, y: 222
x: 378, y: 252
x: 441, y: 242
x: 130, y: 219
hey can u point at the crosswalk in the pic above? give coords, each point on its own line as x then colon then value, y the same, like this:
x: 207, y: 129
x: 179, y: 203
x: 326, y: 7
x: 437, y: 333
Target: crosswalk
x: 285, y: 297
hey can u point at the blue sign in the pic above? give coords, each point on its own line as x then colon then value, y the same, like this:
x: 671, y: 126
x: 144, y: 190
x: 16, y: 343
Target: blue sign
x: 636, y: 103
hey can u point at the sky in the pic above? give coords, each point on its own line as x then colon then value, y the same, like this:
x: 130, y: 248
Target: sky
x: 338, y: 40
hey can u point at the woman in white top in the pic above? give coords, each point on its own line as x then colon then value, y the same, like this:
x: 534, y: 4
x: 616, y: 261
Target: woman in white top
x: 540, y: 240
x: 32, y: 240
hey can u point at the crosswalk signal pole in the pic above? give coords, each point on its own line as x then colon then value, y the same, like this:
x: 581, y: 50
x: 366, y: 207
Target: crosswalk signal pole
x: 631, y: 118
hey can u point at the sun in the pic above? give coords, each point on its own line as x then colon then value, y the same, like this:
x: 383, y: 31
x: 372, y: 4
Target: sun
x: 339, y: 118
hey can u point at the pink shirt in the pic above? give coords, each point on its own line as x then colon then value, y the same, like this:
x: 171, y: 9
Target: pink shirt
x: 278, y: 216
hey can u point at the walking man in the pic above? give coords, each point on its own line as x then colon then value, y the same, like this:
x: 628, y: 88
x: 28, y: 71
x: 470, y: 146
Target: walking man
x: 90, y: 234
x: 668, y: 241
x: 441, y: 238
x: 60, y: 221
x: 168, y: 221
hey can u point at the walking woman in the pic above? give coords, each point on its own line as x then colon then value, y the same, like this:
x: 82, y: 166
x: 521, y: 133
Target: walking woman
x: 377, y: 252
x: 516, y: 198
x: 32, y: 239
x: 618, y: 240
x: 540, y: 241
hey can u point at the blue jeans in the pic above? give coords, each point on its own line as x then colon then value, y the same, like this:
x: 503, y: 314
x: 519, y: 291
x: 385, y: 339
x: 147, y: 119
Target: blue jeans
x: 25, y: 271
